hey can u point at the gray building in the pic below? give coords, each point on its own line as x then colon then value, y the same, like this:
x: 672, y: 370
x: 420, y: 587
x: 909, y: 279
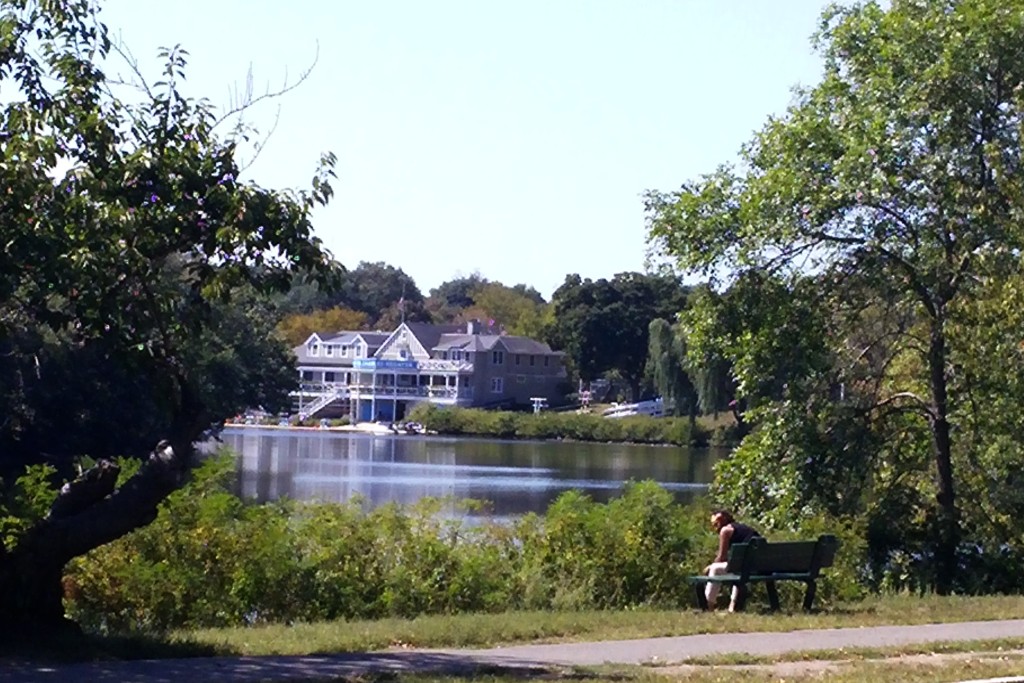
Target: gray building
x: 380, y: 376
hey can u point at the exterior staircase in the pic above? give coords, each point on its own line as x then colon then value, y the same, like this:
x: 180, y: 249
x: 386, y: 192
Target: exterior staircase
x: 310, y: 409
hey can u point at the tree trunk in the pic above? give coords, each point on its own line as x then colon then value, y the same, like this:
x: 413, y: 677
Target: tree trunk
x: 948, y: 531
x: 87, y: 513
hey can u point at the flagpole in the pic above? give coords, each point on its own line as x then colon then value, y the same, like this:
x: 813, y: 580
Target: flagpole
x: 401, y: 304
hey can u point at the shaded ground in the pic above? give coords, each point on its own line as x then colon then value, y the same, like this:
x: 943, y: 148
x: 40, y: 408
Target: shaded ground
x: 526, y: 658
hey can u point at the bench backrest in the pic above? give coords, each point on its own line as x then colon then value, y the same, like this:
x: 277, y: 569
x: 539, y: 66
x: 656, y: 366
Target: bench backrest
x: 761, y: 557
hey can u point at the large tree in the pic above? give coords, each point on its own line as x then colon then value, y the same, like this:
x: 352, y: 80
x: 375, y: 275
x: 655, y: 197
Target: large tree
x: 297, y: 327
x: 136, y: 256
x: 384, y: 293
x: 458, y: 292
x: 667, y: 364
x: 603, y: 324
x: 896, y: 182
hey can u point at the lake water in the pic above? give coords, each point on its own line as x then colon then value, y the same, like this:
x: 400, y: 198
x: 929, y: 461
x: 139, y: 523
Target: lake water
x: 514, y: 476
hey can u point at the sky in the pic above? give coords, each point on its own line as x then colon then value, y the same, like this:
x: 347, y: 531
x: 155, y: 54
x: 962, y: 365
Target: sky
x: 513, y: 139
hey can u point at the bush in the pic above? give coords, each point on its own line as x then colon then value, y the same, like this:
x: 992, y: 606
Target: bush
x: 210, y: 559
x: 551, y: 425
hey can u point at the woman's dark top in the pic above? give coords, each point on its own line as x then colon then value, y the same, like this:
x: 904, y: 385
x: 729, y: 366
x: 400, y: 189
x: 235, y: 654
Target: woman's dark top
x: 741, y: 533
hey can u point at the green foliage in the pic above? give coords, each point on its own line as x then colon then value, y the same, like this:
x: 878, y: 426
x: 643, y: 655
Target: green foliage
x: 381, y: 292
x: 210, y: 559
x: 880, y: 220
x: 552, y: 425
x: 666, y: 359
x: 24, y: 503
x: 296, y: 328
x: 132, y: 282
x: 603, y: 325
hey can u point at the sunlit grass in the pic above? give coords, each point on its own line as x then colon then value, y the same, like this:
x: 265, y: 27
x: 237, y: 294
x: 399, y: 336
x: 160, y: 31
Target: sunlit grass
x: 482, y: 630
x: 908, y: 671
x: 1008, y: 648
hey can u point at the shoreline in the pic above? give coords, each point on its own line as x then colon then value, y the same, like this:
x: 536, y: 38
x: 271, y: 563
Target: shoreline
x: 375, y: 429
x: 359, y: 428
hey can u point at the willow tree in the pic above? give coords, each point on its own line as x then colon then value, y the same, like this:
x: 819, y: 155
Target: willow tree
x: 128, y: 239
x: 666, y: 359
x: 901, y: 172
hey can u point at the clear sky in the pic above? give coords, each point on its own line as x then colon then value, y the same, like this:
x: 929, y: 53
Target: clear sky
x: 510, y: 138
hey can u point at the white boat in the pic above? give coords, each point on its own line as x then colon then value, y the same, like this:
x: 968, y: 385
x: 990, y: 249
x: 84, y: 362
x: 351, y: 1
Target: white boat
x: 652, y: 408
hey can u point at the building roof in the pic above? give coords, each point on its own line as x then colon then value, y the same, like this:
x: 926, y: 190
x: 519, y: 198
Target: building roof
x: 374, y: 339
x: 486, y: 342
x: 465, y: 342
x: 429, y: 335
x: 434, y: 338
x: 527, y: 345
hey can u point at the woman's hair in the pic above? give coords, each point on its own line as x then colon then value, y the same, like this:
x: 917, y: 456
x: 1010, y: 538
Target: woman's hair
x: 726, y: 516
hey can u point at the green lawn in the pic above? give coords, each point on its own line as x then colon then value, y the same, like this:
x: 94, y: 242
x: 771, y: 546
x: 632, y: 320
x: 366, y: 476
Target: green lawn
x: 486, y: 630
x: 481, y: 630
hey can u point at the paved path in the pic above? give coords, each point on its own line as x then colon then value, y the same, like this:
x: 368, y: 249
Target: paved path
x: 653, y: 650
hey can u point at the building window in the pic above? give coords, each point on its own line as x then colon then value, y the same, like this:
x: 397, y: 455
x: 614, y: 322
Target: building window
x: 546, y: 359
x: 307, y: 376
x: 469, y: 356
x: 344, y: 350
x: 518, y: 359
x: 329, y: 350
x: 520, y: 379
x: 456, y: 355
x: 497, y: 384
x: 314, y: 350
x: 329, y: 376
x: 498, y: 358
x: 532, y: 359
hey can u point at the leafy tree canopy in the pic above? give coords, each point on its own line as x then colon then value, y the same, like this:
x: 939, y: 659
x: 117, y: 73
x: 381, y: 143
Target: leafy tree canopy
x: 296, y: 328
x: 135, y: 260
x: 457, y: 293
x: 381, y: 291
x: 896, y: 184
x: 603, y: 325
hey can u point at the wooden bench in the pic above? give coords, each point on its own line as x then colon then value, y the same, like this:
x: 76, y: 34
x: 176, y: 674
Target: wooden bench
x: 762, y: 562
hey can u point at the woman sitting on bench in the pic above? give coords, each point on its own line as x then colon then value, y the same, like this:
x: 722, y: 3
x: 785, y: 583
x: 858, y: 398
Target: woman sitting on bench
x: 729, y: 531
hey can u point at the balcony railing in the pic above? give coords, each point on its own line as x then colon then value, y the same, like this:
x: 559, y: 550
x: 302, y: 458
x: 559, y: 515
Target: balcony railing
x: 390, y: 391
x: 319, y: 388
x: 437, y: 364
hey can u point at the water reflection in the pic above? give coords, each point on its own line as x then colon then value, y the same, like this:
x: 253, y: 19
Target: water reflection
x: 514, y: 476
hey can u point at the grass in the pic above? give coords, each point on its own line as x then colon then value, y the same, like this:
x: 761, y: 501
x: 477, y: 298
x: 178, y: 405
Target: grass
x: 486, y: 630
x: 1009, y: 648
x: 907, y: 671
x: 483, y: 630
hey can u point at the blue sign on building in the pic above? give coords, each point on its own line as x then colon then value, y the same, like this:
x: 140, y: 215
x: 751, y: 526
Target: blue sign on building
x: 383, y: 364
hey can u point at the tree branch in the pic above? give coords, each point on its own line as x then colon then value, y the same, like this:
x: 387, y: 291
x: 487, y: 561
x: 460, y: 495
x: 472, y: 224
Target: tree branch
x: 130, y: 507
x: 919, y: 402
x: 247, y: 101
x: 91, y: 487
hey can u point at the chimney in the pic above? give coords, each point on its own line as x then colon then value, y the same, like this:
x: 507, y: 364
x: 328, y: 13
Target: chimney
x: 473, y: 326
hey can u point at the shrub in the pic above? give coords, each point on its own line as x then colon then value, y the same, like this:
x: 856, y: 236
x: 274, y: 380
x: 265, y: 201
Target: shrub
x: 552, y: 425
x: 211, y: 559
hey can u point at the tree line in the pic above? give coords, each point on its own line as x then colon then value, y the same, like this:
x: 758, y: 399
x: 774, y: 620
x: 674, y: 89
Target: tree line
x: 602, y: 325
